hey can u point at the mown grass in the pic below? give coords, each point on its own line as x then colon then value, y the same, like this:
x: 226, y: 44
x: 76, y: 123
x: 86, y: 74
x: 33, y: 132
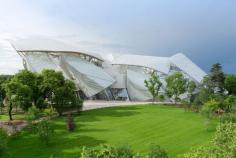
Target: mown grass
x: 137, y: 126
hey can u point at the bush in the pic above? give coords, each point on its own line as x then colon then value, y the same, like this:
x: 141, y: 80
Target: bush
x: 50, y: 111
x: 230, y: 104
x: 108, y: 151
x: 44, y: 130
x: 222, y: 146
x: 88, y: 153
x: 161, y: 98
x: 156, y: 151
x: 228, y: 117
x: 211, y: 107
x: 125, y: 152
x: 33, y: 113
x: 70, y: 122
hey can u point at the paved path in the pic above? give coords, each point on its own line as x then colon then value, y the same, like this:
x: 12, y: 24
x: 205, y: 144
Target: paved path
x: 90, y: 104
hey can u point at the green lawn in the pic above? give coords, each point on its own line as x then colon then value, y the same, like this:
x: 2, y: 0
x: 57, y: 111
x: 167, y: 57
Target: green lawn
x: 138, y: 126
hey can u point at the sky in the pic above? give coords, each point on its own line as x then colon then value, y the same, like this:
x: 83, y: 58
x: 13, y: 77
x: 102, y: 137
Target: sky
x: 204, y: 30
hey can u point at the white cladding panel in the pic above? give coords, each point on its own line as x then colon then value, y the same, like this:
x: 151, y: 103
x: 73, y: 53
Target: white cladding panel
x: 186, y: 65
x: 135, y: 85
x: 161, y: 64
x: 91, y: 79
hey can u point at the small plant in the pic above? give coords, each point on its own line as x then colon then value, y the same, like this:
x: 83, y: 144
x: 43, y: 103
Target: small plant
x: 50, y: 111
x: 125, y: 152
x: 88, y: 153
x: 156, y: 151
x: 70, y: 122
x: 210, y: 108
x: 45, y: 131
x: 108, y: 151
x: 33, y: 113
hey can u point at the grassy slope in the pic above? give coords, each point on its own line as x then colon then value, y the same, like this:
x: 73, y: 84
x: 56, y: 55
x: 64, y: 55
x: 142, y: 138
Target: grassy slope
x: 138, y: 126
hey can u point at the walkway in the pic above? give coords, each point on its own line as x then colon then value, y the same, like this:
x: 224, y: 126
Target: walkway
x: 95, y: 104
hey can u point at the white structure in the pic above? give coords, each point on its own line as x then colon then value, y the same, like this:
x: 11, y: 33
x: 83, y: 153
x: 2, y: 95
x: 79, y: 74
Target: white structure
x: 103, y: 75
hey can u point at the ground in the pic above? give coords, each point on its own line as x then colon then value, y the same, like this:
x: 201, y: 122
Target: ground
x: 138, y: 126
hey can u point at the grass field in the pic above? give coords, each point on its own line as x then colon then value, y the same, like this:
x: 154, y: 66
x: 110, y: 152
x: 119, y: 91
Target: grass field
x: 138, y: 126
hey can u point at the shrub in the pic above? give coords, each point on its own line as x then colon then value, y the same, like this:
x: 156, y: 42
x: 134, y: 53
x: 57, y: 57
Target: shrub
x: 210, y: 108
x: 230, y: 103
x: 161, y: 98
x: 125, y: 152
x: 88, y: 153
x: 108, y: 151
x: 44, y: 130
x: 33, y: 113
x: 156, y: 151
x: 70, y: 122
x: 50, y: 111
x: 228, y: 117
x: 222, y: 146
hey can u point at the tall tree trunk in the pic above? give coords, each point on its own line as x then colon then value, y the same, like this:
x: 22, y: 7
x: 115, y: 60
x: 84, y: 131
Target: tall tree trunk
x: 9, y: 112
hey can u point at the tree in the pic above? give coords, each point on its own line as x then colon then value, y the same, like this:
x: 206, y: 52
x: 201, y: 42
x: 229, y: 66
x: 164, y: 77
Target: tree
x: 176, y: 85
x: 60, y: 92
x: 153, y: 85
x: 217, y: 78
x: 18, y: 94
x: 51, y: 80
x: 191, y: 87
x: 230, y: 84
x: 3, y: 80
x: 64, y: 97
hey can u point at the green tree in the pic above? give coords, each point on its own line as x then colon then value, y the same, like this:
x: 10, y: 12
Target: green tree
x: 3, y: 80
x: 191, y: 87
x: 176, y: 85
x: 217, y: 77
x: 18, y: 94
x: 153, y: 85
x: 64, y: 97
x: 230, y: 84
x: 60, y: 92
x: 51, y: 80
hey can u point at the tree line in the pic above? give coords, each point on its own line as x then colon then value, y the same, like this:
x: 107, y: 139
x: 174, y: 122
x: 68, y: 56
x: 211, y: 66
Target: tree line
x: 48, y: 89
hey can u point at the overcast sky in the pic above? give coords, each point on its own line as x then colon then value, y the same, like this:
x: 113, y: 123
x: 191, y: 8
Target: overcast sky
x: 204, y: 30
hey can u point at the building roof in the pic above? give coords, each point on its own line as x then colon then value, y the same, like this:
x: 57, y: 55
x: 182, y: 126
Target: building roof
x: 187, y: 66
x: 161, y: 64
x: 41, y: 44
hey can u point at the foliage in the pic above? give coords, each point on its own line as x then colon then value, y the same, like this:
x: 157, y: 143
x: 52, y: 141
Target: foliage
x: 222, y: 146
x: 60, y: 92
x: 230, y: 104
x: 209, y: 108
x: 17, y: 94
x: 156, y: 151
x: 153, y: 85
x: 70, y: 122
x: 33, y: 113
x: 191, y: 87
x: 3, y: 145
x: 45, y: 131
x: 108, y: 151
x: 230, y: 84
x: 217, y: 77
x: 176, y: 85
